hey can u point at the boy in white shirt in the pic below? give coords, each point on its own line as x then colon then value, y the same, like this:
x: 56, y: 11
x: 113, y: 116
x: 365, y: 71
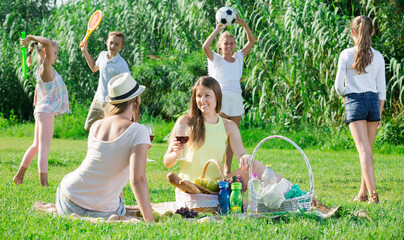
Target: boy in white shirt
x: 109, y: 63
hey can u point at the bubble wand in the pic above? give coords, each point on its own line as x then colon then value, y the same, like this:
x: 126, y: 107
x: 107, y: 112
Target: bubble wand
x: 24, y: 56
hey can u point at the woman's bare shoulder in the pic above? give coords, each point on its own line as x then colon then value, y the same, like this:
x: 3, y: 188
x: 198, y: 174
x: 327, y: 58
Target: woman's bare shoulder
x: 229, y: 125
x: 183, y: 119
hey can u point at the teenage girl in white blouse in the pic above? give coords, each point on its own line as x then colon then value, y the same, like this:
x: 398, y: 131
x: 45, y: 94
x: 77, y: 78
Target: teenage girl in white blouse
x: 362, y: 68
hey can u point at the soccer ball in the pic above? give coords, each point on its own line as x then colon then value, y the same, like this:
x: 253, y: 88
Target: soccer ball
x: 226, y: 16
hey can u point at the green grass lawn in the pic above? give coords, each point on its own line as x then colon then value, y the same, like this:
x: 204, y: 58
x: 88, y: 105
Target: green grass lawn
x: 336, y: 181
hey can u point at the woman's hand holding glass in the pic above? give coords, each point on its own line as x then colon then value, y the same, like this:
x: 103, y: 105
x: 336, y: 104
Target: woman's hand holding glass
x: 181, y: 138
x: 178, y: 148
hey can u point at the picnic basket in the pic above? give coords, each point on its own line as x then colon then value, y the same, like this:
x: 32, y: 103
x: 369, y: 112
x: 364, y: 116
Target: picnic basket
x: 202, y: 202
x: 293, y: 204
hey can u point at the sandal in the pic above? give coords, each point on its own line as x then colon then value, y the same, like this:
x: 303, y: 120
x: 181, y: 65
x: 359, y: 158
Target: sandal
x: 360, y: 198
x: 374, y: 198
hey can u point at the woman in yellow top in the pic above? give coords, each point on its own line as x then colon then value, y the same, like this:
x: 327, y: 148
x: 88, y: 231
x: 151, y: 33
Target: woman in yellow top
x: 208, y: 136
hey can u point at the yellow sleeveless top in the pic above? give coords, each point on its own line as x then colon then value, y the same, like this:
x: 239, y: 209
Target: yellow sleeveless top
x: 214, y: 147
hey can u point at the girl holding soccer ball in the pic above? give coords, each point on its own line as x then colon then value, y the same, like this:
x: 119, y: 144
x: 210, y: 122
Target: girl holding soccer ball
x: 226, y: 66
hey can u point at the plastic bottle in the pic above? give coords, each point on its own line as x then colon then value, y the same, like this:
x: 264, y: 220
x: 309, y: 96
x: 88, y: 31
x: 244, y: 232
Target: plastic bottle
x: 224, y: 198
x: 236, y: 199
x: 268, y: 177
x: 234, y: 179
x: 254, y: 191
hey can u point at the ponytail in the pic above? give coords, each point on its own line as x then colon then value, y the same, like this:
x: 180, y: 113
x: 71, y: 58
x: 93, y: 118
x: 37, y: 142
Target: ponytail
x: 30, y: 49
x: 363, y: 29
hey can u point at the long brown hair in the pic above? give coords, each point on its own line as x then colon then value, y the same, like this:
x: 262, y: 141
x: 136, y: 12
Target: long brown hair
x: 362, y: 27
x: 223, y: 36
x: 196, y: 122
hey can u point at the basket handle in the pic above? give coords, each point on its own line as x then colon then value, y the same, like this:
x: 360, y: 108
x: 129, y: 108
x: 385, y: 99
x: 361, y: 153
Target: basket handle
x: 218, y: 166
x: 296, y: 146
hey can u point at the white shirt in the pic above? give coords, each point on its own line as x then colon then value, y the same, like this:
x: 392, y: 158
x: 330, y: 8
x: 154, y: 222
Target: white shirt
x: 374, y: 80
x: 97, y: 183
x: 108, y: 68
x: 227, y: 74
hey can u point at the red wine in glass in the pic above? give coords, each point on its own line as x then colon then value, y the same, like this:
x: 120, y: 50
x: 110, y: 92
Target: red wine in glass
x: 182, y: 139
x: 150, y: 128
x: 182, y: 135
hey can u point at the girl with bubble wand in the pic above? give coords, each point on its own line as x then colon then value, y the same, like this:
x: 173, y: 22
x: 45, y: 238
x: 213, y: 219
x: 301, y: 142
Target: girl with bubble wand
x: 362, y: 69
x: 226, y: 67
x: 51, y: 98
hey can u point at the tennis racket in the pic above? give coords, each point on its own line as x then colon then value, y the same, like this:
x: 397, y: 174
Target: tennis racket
x: 24, y: 56
x: 92, y: 25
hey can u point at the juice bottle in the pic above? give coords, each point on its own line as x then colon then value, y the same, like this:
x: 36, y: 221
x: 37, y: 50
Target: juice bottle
x: 236, y: 199
x: 224, y: 198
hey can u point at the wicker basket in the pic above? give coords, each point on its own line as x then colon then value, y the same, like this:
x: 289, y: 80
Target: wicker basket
x: 191, y: 200
x: 293, y: 204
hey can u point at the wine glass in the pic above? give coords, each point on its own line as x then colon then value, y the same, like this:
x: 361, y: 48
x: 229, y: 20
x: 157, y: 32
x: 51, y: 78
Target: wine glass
x: 150, y: 128
x: 182, y: 135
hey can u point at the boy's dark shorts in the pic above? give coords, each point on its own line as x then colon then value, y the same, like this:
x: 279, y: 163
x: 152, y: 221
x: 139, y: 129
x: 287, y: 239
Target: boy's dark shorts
x: 362, y: 106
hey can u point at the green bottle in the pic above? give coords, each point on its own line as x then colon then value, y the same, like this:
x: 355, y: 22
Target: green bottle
x: 236, y: 199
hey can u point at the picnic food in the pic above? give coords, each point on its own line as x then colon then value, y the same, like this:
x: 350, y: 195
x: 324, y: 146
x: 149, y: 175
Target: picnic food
x: 201, y: 181
x: 164, y: 218
x: 156, y: 216
x: 183, y: 185
x: 239, y: 179
x: 185, y: 212
x: 188, y: 186
x: 168, y: 213
x: 213, y: 185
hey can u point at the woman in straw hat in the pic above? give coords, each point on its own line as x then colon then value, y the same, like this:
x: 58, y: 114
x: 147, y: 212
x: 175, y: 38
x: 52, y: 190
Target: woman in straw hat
x: 117, y: 152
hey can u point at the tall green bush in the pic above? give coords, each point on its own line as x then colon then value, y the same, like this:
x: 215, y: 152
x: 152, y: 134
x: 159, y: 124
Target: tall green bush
x: 288, y: 76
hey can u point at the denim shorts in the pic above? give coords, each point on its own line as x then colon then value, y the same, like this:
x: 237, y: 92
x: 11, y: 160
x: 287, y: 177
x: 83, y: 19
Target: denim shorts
x: 362, y: 106
x: 65, y: 207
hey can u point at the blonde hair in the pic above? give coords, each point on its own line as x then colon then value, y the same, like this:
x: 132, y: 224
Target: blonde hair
x: 196, y: 122
x: 39, y: 47
x: 362, y: 27
x: 117, y: 34
x: 221, y: 38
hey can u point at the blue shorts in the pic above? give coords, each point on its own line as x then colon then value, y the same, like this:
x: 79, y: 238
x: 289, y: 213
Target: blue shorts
x: 362, y: 106
x: 65, y: 207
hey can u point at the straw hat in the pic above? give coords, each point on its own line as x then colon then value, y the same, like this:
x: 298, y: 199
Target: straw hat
x: 122, y: 88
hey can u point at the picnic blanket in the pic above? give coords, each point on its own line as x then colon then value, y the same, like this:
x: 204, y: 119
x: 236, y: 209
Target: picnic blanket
x: 133, y: 213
